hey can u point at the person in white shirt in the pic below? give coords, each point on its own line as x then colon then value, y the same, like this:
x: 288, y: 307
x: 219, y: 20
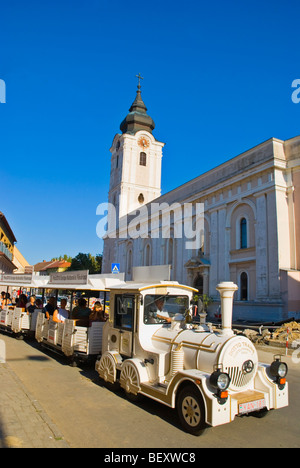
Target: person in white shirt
x: 61, y: 314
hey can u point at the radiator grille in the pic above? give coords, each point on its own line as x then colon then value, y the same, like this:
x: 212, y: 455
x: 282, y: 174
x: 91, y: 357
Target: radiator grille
x: 238, y: 377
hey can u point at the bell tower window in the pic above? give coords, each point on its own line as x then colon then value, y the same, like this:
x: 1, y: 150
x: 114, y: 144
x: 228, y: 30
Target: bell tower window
x: 143, y: 159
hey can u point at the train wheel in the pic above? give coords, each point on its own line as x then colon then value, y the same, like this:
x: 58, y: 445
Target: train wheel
x: 130, y: 381
x: 107, y: 369
x: 191, y: 411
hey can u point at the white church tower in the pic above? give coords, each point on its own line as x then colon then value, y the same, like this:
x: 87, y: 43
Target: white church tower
x: 135, y: 177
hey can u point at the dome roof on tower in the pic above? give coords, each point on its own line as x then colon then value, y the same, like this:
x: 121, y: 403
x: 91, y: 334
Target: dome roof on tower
x: 137, y: 119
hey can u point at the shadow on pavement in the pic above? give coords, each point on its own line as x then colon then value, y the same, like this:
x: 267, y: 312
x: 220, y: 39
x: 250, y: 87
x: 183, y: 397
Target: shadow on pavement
x: 146, y: 404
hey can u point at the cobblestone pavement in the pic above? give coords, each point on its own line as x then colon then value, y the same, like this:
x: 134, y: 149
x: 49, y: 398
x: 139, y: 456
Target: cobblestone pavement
x: 23, y: 422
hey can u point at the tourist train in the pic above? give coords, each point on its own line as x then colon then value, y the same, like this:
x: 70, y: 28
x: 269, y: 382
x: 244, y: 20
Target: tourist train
x: 155, y: 344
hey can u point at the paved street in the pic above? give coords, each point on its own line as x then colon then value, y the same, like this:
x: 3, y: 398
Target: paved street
x: 23, y: 422
x: 47, y: 403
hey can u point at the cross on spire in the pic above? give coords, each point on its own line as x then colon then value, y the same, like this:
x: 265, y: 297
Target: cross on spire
x: 139, y: 78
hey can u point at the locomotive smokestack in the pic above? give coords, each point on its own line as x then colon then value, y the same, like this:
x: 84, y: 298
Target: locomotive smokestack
x: 227, y: 290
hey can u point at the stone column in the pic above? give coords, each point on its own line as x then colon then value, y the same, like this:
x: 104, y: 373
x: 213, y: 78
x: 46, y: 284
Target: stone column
x: 261, y: 236
x: 227, y: 290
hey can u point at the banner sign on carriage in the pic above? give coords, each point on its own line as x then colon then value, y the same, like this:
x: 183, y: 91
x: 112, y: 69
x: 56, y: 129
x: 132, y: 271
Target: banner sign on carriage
x: 69, y: 277
x: 16, y: 279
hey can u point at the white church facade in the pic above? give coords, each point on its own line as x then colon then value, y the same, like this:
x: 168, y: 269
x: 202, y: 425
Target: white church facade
x: 251, y: 226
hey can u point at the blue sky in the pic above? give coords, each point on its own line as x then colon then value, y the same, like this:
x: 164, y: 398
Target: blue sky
x: 217, y: 81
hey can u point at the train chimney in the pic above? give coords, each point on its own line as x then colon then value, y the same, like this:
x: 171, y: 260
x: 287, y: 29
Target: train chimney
x: 226, y: 290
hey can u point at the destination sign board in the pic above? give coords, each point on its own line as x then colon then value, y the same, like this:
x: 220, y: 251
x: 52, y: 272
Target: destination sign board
x: 69, y: 277
x: 16, y: 279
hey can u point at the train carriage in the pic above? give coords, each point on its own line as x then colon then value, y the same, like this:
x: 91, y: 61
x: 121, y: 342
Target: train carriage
x: 79, y: 340
x: 16, y: 320
x: 6, y: 316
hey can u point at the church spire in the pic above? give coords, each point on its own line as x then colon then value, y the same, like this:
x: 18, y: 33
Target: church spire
x: 137, y: 119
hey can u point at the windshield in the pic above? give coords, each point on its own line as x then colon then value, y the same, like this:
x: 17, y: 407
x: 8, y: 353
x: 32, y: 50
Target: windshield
x: 162, y: 308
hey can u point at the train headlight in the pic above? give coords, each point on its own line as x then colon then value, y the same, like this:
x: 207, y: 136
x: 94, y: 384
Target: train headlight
x: 278, y: 369
x: 219, y: 380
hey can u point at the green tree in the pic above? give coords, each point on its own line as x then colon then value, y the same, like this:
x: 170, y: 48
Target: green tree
x: 84, y: 261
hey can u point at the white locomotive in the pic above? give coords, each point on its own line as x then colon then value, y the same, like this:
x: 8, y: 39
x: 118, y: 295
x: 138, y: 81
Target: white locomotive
x: 208, y: 376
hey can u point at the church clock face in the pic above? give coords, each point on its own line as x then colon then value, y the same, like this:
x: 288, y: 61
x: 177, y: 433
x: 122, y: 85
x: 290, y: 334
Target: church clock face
x: 143, y: 142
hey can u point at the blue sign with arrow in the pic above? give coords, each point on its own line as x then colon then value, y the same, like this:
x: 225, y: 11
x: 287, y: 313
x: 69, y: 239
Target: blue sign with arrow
x: 115, y: 268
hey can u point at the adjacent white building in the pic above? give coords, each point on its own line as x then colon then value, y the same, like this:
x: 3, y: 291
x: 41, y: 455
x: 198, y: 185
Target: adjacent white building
x: 251, y: 232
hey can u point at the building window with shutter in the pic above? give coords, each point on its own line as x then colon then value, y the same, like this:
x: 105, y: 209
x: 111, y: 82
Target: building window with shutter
x: 143, y: 159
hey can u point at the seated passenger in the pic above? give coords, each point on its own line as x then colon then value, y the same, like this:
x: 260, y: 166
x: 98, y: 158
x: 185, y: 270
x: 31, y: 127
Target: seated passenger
x: 50, y: 308
x: 7, y: 301
x: 2, y: 300
x: 30, y: 306
x: 22, y: 301
x: 97, y: 314
x: 38, y: 304
x: 61, y: 314
x: 81, y: 311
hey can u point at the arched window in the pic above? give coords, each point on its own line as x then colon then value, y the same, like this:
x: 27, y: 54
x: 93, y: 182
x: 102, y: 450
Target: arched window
x: 143, y: 159
x: 243, y: 234
x: 129, y: 264
x: 244, y: 286
x: 201, y: 250
x: 198, y: 283
x: 147, y: 253
x: 170, y: 252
